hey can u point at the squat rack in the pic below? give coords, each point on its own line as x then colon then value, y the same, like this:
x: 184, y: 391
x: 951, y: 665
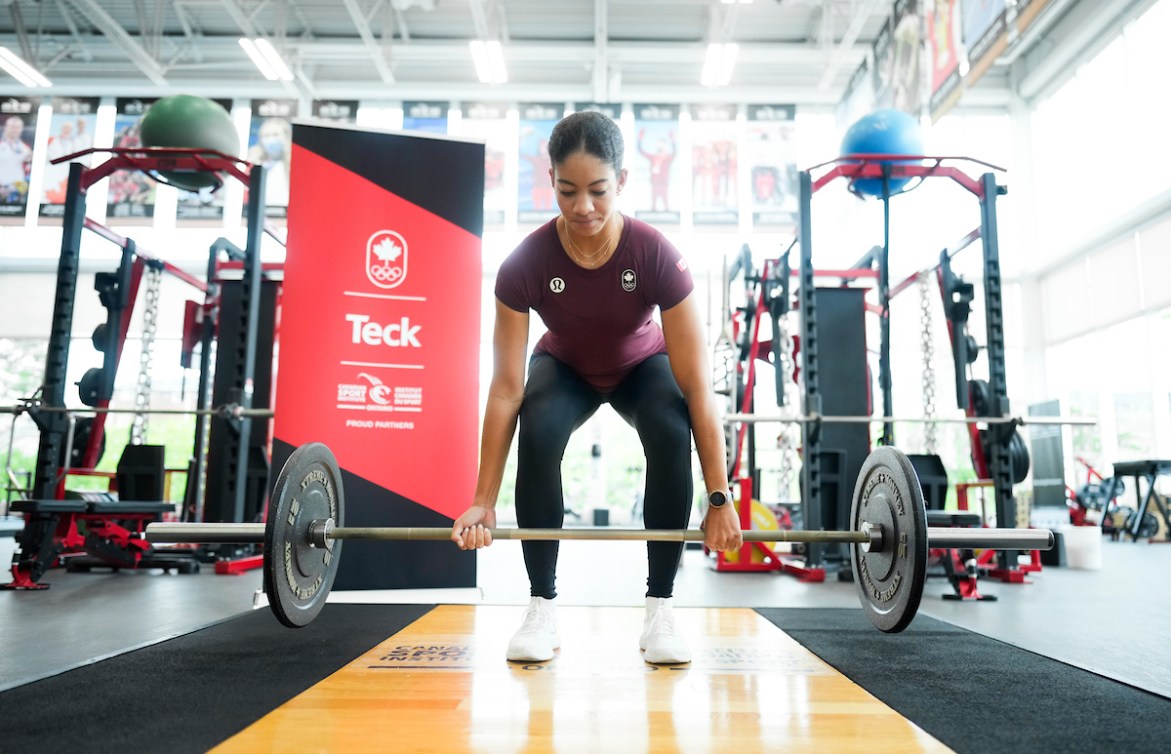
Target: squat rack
x: 40, y: 540
x: 985, y: 189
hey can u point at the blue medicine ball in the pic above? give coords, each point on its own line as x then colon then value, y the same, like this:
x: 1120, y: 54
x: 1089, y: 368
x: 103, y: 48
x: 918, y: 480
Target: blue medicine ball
x: 883, y: 132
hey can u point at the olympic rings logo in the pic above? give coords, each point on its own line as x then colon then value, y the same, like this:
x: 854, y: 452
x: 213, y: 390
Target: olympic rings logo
x: 387, y: 273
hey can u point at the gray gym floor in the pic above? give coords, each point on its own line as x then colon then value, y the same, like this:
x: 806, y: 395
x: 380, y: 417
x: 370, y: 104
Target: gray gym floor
x: 1112, y: 621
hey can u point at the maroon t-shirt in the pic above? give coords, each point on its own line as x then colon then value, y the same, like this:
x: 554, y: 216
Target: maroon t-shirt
x: 599, y: 321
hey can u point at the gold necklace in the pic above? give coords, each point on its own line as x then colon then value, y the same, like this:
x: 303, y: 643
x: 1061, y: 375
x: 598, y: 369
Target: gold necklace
x: 576, y: 253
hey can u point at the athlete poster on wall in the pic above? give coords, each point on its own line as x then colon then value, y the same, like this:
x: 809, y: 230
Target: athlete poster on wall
x: 131, y: 193
x: 428, y: 117
x: 535, y: 201
x: 71, y: 130
x: 657, y: 180
x: 609, y: 109
x: 488, y: 121
x: 881, y: 52
x: 899, y: 60
x: 943, y: 45
x: 771, y: 155
x: 380, y: 336
x: 207, y: 204
x: 982, y: 27
x: 715, y: 197
x: 335, y: 110
x: 18, y: 130
x: 270, y: 144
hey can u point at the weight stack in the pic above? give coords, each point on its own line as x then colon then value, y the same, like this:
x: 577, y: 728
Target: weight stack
x: 845, y: 391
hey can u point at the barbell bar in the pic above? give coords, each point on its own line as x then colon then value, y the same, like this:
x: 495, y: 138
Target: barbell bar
x: 227, y: 410
x: 234, y: 410
x: 323, y: 531
x: 888, y: 540
x: 1023, y: 420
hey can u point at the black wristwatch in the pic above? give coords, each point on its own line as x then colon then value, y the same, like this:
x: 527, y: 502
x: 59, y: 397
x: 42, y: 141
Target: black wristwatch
x: 718, y: 498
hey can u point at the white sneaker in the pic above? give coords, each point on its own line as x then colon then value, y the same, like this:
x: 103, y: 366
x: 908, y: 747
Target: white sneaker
x: 660, y: 642
x: 537, y: 637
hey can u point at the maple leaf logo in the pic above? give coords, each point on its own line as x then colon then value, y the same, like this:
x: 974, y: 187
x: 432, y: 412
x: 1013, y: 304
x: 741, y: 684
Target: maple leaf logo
x: 387, y: 250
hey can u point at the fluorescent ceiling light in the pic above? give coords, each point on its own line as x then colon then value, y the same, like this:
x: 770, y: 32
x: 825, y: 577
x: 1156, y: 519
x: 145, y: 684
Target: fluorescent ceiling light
x: 274, y: 59
x: 496, y: 62
x: 719, y: 63
x: 488, y: 57
x: 22, y: 71
x: 266, y: 59
x: 480, y: 60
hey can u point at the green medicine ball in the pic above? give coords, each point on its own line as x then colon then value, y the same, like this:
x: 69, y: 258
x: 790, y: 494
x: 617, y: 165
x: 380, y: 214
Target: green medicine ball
x: 189, y: 122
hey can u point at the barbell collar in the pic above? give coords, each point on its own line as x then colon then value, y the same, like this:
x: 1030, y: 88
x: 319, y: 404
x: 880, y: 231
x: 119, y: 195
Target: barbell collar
x: 874, y: 543
x: 953, y: 538
x: 321, y: 533
x: 209, y: 533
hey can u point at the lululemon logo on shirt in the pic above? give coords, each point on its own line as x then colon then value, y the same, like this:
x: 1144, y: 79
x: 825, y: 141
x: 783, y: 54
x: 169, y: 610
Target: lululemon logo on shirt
x: 557, y: 285
x: 628, y: 280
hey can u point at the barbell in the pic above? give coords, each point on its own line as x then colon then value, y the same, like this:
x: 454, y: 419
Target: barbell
x: 224, y: 411
x: 889, y: 542
x: 1076, y: 421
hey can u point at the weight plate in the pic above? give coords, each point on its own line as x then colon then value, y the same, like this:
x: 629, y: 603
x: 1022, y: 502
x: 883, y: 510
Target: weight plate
x: 890, y: 581
x: 1147, y: 529
x: 297, y: 575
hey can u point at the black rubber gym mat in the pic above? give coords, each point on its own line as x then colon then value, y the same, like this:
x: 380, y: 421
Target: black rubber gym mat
x: 192, y: 692
x: 977, y: 694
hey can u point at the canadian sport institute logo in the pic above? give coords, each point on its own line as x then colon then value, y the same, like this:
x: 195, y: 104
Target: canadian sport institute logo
x: 386, y: 259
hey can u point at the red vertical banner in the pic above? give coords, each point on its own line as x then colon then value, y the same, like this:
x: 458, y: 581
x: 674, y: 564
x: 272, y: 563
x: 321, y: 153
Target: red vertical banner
x: 379, y: 335
x: 943, y: 42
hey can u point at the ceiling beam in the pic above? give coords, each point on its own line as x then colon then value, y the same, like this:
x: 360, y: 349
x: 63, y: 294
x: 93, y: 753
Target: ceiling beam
x: 861, y: 15
x: 400, y: 20
x: 728, y: 22
x: 480, y: 19
x: 120, y: 37
x: 249, y: 30
x: 601, y: 72
x: 26, y: 49
x: 225, y: 51
x: 797, y: 53
x: 373, y: 93
x: 371, y: 44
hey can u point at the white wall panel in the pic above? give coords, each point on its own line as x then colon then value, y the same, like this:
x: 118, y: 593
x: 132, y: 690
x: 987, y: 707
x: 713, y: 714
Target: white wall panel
x: 1066, y: 301
x: 1113, y: 274
x: 1155, y: 255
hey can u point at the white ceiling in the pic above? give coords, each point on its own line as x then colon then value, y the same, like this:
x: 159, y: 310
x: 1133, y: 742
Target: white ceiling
x: 800, y: 51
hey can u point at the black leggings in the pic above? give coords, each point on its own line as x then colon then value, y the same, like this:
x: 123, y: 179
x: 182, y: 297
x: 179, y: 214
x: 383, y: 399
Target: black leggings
x: 556, y: 402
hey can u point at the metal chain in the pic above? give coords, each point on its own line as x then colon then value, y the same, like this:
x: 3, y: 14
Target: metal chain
x: 154, y: 277
x: 927, y: 348
x: 787, y: 366
x: 786, y: 442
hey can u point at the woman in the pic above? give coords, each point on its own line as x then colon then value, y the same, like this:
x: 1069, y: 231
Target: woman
x: 595, y: 277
